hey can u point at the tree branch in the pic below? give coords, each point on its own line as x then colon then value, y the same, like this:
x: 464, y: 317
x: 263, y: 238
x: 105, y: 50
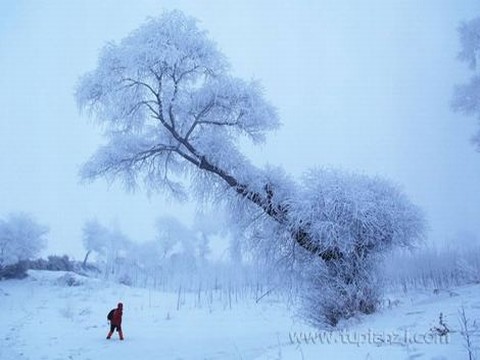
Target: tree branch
x: 134, y: 82
x: 197, y: 117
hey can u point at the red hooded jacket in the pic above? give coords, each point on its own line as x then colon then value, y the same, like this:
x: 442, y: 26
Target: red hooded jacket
x: 117, y: 315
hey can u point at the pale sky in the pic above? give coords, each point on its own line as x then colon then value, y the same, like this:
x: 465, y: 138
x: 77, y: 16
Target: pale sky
x: 362, y: 85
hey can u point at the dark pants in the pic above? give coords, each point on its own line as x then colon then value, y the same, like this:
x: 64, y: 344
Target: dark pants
x: 114, y: 327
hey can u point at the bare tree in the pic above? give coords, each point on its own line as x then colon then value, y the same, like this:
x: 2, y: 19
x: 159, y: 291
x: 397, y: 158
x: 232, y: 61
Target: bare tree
x: 469, y: 332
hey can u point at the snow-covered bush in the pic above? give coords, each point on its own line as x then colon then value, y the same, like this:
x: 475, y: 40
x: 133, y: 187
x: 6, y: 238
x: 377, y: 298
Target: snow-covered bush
x: 53, y: 263
x: 21, y: 238
x: 14, y: 271
x: 59, y: 263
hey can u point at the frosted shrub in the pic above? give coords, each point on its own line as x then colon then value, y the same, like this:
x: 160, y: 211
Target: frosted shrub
x: 59, y: 263
x: 14, y: 271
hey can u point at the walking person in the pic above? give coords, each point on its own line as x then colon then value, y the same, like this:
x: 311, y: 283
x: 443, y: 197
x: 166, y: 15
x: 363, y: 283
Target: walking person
x: 115, y: 317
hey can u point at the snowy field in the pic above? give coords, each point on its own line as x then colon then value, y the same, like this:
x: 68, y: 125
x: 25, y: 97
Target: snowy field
x: 57, y: 315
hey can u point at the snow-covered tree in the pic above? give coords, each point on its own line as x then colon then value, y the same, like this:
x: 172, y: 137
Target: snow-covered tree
x: 359, y: 217
x: 208, y: 224
x: 149, y: 258
x: 467, y: 96
x: 21, y: 238
x: 174, y: 116
x: 110, y: 245
x: 173, y: 113
x: 95, y: 238
x: 170, y: 232
x: 178, y: 243
x: 363, y: 218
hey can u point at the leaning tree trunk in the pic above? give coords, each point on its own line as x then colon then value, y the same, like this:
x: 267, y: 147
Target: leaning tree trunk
x: 84, y: 264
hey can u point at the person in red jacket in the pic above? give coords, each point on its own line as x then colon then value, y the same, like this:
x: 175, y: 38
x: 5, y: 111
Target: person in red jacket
x: 116, y: 322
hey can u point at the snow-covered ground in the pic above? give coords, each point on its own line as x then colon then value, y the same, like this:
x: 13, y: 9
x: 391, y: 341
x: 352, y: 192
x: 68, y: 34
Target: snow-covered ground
x: 42, y: 317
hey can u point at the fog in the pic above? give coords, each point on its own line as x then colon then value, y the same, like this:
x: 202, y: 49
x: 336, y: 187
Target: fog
x: 364, y: 86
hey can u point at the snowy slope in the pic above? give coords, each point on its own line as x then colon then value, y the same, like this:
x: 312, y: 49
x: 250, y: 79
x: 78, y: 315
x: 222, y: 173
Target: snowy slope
x: 42, y: 317
x: 401, y: 331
